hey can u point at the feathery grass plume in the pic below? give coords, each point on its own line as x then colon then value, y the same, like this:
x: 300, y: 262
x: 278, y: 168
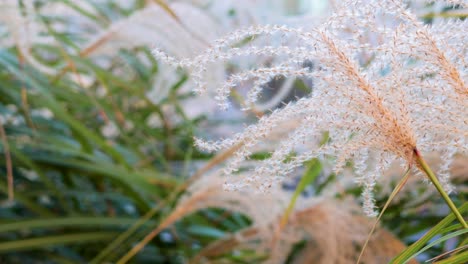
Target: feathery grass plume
x: 372, y: 108
x: 207, y: 192
x: 330, y: 229
x: 189, y: 32
x: 333, y: 230
x: 384, y: 246
x: 186, y: 30
x: 22, y: 30
x: 22, y: 20
x: 439, y: 58
x: 185, y: 35
x: 173, y: 34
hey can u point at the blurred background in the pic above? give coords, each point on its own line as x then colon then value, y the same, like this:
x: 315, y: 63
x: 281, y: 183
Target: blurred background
x: 97, y: 143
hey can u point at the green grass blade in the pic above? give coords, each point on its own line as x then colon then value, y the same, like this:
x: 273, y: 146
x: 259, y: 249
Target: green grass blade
x: 415, y: 247
x: 36, y: 243
x: 314, y: 167
x: 440, y: 240
x: 33, y: 206
x: 67, y: 222
x: 461, y: 258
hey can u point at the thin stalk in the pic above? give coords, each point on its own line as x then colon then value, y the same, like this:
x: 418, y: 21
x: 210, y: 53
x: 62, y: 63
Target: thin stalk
x: 423, y: 165
x: 450, y: 252
x: 9, y: 167
x: 395, y: 191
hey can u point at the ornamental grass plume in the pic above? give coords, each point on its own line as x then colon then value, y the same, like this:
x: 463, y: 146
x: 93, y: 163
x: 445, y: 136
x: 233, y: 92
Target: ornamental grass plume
x: 385, y: 89
x: 331, y: 228
x: 207, y: 192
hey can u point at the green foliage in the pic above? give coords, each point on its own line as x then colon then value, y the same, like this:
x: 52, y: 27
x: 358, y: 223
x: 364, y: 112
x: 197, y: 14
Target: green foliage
x: 418, y: 247
x: 75, y: 188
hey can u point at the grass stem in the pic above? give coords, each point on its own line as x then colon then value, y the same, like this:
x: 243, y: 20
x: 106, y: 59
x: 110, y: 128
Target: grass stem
x: 395, y: 191
x: 423, y: 165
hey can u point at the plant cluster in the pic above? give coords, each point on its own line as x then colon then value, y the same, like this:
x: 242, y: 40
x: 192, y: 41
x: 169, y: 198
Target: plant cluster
x: 107, y: 156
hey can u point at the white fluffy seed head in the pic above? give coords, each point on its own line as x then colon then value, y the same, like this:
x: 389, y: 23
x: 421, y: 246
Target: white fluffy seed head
x: 384, y: 85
